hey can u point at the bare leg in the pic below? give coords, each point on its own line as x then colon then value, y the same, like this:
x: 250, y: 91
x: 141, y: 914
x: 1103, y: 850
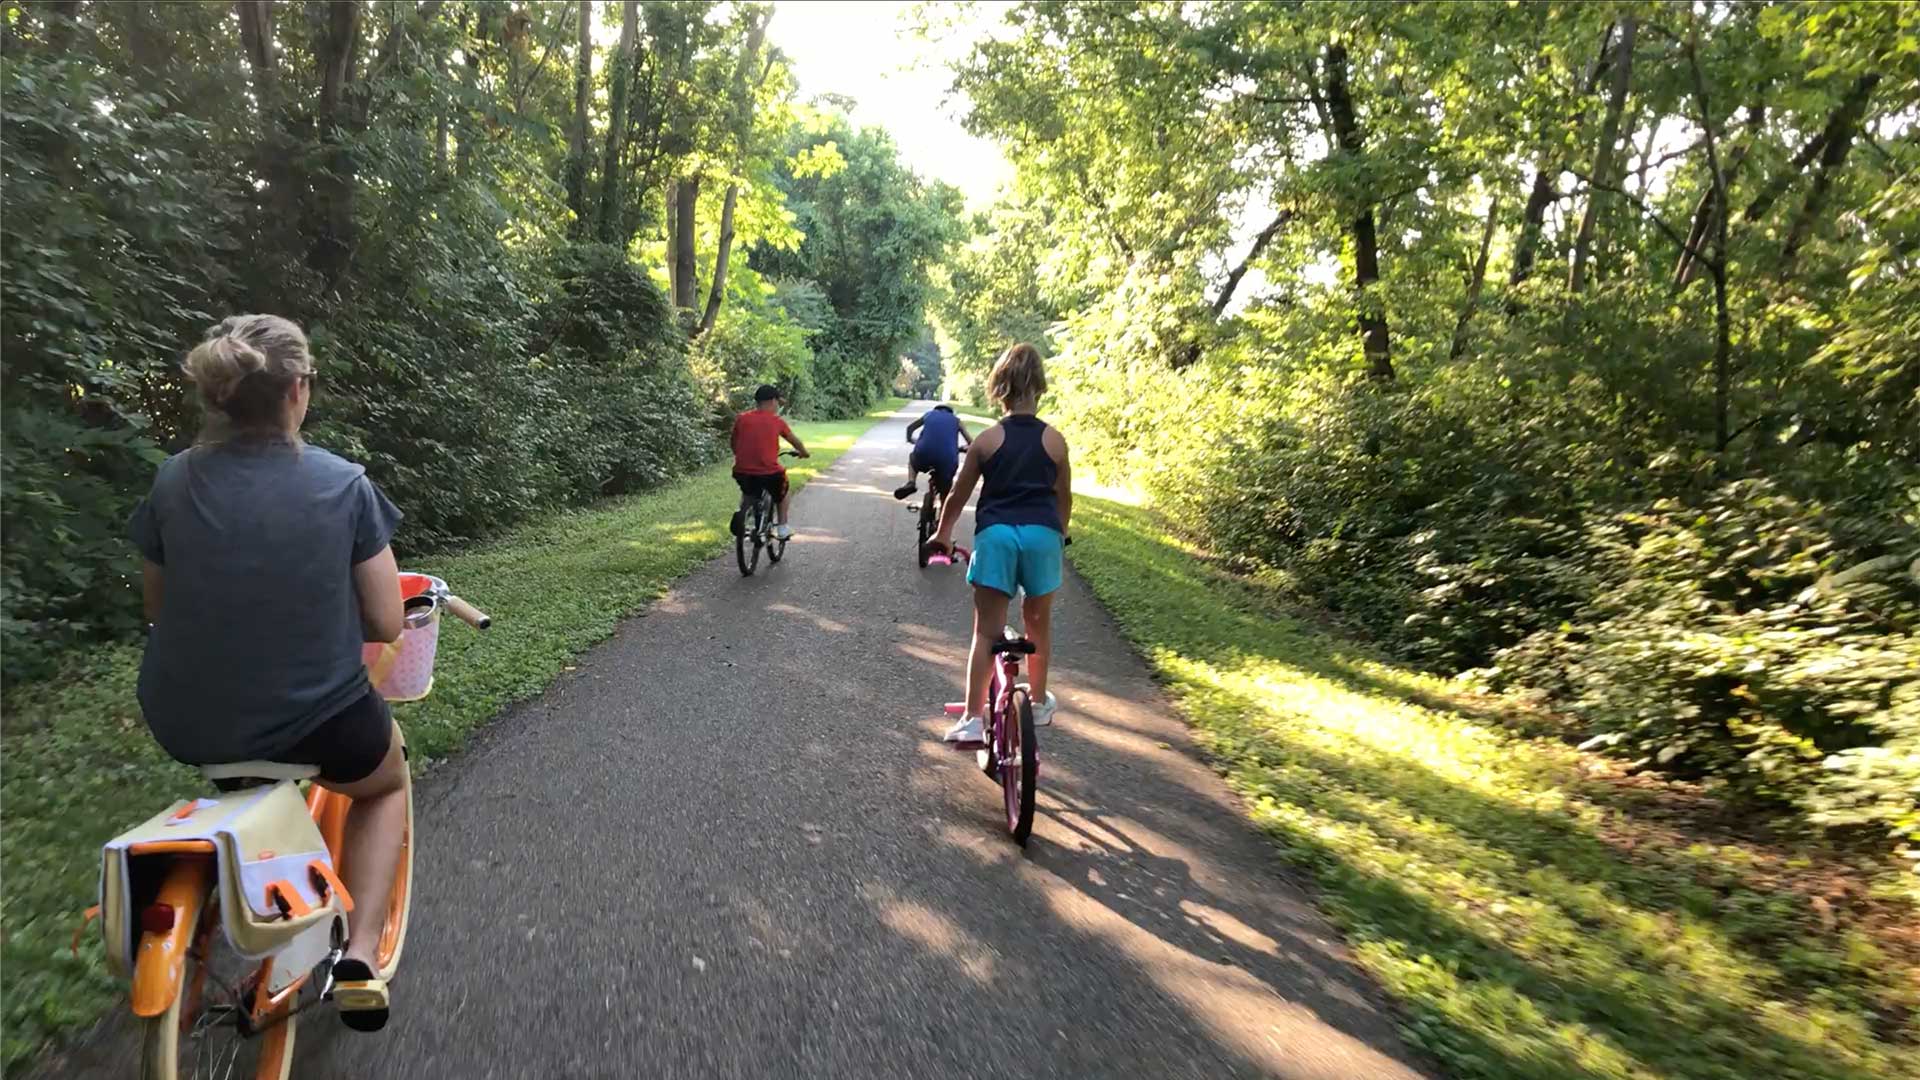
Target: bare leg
x: 989, y: 618
x: 1036, y: 618
x: 780, y: 514
x: 375, y: 823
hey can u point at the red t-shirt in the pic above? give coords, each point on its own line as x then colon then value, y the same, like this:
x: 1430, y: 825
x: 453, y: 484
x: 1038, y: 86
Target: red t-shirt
x: 756, y: 442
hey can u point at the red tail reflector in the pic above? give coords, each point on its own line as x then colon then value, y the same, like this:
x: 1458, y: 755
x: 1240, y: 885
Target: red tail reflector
x: 156, y: 918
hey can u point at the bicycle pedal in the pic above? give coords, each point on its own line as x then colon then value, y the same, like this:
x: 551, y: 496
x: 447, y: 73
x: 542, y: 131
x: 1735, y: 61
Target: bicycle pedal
x: 955, y: 708
x: 371, y: 994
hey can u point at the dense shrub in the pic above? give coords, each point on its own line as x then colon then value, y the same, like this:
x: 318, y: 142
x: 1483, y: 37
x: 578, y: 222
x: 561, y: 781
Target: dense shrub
x: 1747, y: 635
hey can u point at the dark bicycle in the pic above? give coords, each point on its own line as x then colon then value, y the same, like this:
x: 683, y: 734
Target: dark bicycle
x: 755, y: 533
x: 929, y: 509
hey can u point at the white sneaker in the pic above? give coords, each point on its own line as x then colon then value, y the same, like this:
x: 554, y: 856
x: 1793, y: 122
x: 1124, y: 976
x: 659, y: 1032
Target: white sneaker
x: 782, y: 533
x: 1043, y: 711
x: 969, y: 731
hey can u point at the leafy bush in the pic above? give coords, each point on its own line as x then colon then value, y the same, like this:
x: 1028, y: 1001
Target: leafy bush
x: 1750, y: 636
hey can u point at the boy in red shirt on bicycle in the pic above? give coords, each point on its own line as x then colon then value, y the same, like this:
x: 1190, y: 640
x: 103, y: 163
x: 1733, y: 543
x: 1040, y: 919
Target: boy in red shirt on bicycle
x: 756, y: 452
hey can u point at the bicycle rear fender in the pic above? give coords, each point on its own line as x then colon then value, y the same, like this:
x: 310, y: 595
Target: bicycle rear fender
x: 160, y: 959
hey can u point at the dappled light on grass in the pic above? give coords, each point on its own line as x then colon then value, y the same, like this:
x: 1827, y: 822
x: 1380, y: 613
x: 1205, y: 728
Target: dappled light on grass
x: 1530, y: 921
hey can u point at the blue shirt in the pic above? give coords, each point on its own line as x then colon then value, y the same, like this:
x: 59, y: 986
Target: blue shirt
x: 939, y: 440
x: 257, y: 641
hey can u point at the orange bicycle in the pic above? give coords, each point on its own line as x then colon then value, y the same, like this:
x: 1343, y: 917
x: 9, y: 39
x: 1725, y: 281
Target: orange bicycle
x: 260, y: 867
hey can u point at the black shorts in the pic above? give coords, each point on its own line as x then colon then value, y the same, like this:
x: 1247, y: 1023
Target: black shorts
x: 774, y: 484
x: 350, y: 745
x: 940, y: 473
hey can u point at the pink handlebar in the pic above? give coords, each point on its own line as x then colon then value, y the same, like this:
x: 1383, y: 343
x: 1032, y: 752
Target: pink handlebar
x: 940, y: 559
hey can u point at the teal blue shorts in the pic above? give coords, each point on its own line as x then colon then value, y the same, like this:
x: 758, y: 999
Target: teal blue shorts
x: 1009, y: 557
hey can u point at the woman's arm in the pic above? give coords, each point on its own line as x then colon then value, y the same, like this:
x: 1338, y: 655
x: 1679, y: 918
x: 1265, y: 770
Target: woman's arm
x: 377, y: 581
x: 150, y: 590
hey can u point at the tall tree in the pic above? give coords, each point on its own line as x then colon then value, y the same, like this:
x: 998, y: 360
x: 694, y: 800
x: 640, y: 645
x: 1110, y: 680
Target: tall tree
x: 1375, y: 342
x: 612, y: 217
x: 579, y: 131
x: 745, y: 89
x: 1604, y: 150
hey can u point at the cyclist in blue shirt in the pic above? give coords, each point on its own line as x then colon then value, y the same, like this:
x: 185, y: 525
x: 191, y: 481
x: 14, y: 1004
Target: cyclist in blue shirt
x: 936, y: 451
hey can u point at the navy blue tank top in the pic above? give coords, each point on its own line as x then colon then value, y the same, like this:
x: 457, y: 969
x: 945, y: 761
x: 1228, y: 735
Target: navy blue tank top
x: 1018, y: 479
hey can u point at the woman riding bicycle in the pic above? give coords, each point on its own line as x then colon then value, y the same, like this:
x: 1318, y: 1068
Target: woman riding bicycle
x: 267, y: 566
x: 1018, y: 531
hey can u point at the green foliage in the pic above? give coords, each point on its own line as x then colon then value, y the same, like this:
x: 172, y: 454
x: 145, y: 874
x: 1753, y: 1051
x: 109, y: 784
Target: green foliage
x: 481, y: 349
x: 873, y: 232
x: 1535, y: 918
x: 1726, y: 639
x: 78, y: 765
x: 760, y: 341
x: 1252, y: 235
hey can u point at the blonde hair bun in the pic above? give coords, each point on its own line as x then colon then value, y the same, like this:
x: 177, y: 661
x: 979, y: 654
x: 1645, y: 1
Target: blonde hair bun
x: 246, y: 367
x: 219, y: 365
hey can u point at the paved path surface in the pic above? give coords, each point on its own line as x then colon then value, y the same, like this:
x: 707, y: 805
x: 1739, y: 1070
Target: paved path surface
x: 731, y: 845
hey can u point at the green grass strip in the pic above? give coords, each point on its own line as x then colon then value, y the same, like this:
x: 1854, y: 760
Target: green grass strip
x: 78, y: 766
x: 1533, y: 922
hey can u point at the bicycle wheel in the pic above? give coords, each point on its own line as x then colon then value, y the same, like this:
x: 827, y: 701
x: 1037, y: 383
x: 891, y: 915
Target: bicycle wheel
x: 1019, y: 764
x: 776, y: 547
x: 393, y: 934
x: 746, y: 546
x: 200, y: 1037
x: 929, y: 521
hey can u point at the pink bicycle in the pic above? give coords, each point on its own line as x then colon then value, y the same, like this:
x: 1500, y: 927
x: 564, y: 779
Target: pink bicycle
x: 1011, y: 755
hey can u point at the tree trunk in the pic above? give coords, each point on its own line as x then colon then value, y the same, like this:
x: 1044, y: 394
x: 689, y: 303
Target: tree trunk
x: 1375, y: 341
x: 1533, y: 220
x: 333, y: 184
x: 577, y: 133
x: 744, y: 87
x: 672, y: 237
x: 1708, y: 209
x: 716, y: 293
x: 612, y: 220
x: 256, y: 37
x: 1475, y: 282
x: 1839, y: 133
x: 64, y: 20
x: 1603, y: 153
x: 686, y: 233
x: 470, y: 80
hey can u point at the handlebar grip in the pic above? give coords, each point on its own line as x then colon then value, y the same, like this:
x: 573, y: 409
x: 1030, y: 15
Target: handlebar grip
x: 469, y: 614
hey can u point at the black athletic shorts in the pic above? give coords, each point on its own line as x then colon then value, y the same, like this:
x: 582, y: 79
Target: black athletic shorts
x: 351, y: 745
x: 754, y: 483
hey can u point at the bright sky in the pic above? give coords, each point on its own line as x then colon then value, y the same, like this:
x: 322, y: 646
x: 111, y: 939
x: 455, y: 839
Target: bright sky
x: 868, y: 51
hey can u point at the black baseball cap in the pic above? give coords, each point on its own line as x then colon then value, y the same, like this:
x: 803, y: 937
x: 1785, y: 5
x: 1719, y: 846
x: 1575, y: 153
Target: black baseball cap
x: 768, y: 392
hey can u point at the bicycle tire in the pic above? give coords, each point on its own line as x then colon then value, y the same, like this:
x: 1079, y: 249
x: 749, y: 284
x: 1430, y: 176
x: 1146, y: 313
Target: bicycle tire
x: 776, y: 547
x: 929, y: 521
x: 746, y: 546
x: 393, y: 934
x: 160, y: 1035
x: 216, y: 1049
x: 1017, y: 783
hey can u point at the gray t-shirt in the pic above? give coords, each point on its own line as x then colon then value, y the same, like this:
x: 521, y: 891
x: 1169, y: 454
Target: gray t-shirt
x: 258, y: 638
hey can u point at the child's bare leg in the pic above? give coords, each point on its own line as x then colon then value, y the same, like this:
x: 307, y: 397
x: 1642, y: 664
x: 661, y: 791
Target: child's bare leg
x: 1036, y: 615
x: 989, y: 618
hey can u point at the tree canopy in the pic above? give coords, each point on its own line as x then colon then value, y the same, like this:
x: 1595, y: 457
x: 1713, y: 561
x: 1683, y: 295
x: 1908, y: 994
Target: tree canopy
x: 510, y: 229
x: 1567, y: 342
